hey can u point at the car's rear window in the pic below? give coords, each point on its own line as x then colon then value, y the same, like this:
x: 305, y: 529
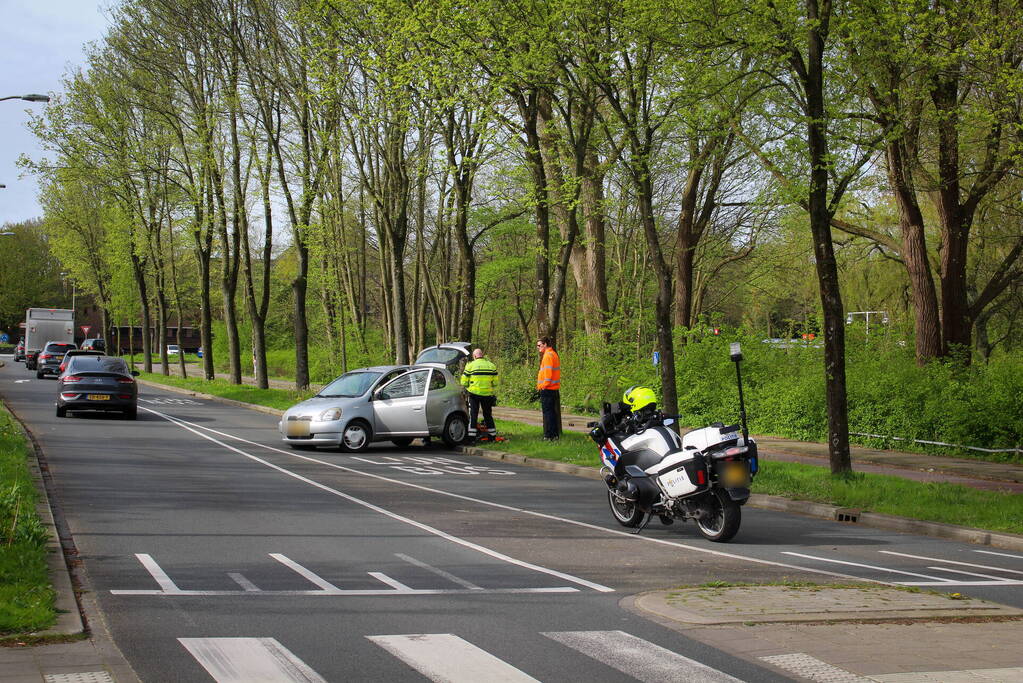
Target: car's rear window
x: 98, y: 364
x: 57, y: 348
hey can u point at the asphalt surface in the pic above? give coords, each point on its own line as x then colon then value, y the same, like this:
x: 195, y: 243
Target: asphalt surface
x: 203, y: 541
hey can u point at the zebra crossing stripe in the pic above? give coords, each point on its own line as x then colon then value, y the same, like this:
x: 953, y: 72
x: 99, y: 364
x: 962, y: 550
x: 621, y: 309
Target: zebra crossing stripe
x: 639, y: 658
x: 248, y: 660
x: 443, y: 657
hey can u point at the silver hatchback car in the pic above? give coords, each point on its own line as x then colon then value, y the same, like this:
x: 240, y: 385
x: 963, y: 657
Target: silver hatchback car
x: 395, y: 403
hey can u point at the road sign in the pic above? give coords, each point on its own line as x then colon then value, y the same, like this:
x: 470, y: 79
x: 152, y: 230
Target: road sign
x: 4, y: 338
x: 85, y: 329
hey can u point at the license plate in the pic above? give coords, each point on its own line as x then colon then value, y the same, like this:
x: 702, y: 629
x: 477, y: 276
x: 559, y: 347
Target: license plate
x: 736, y: 474
x: 98, y: 397
x: 297, y: 428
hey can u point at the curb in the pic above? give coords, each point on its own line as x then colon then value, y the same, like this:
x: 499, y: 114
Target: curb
x: 872, y: 520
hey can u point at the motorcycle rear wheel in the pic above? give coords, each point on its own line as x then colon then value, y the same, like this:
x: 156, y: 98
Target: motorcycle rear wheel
x: 722, y: 516
x: 627, y: 514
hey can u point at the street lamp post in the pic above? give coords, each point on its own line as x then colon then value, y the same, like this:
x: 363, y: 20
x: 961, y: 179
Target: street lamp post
x: 31, y: 97
x: 73, y: 290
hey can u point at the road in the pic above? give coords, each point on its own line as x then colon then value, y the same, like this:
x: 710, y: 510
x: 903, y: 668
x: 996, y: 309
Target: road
x: 215, y: 551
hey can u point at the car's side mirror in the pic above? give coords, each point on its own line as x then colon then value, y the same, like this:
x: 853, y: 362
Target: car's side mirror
x: 135, y: 373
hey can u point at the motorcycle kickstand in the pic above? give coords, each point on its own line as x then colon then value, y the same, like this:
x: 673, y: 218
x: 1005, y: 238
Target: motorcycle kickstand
x: 642, y: 526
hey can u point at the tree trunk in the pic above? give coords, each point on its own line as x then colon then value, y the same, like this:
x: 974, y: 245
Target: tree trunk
x: 824, y: 248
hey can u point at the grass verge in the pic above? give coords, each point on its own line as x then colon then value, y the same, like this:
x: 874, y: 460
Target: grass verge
x: 26, y: 595
x: 890, y: 495
x: 281, y: 399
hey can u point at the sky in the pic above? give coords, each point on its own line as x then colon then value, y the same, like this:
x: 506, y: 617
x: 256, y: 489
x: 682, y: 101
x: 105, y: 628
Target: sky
x: 40, y: 42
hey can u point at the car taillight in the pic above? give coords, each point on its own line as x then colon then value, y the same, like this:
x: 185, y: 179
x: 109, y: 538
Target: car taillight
x: 125, y: 380
x: 71, y: 378
x: 44, y: 356
x: 62, y: 367
x: 124, y: 396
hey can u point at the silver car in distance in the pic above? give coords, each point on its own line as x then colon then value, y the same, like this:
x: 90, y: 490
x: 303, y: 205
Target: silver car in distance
x: 395, y: 403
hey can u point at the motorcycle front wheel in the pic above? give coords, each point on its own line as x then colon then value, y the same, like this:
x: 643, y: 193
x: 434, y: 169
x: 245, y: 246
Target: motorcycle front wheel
x: 627, y: 513
x: 720, y: 521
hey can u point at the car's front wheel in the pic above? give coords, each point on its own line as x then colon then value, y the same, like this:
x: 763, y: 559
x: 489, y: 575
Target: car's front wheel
x: 356, y: 437
x: 456, y: 428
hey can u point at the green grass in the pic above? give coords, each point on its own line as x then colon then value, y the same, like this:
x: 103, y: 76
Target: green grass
x: 26, y: 596
x: 281, y: 399
x: 933, y: 502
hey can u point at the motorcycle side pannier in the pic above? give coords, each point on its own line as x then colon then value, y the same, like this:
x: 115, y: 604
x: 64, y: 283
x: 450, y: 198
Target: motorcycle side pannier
x: 682, y: 474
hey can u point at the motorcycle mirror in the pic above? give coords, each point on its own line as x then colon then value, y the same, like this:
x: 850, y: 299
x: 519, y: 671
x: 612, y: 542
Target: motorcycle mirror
x: 735, y: 350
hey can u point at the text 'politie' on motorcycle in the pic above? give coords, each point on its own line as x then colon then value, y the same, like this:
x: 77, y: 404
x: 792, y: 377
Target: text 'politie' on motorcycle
x: 650, y: 470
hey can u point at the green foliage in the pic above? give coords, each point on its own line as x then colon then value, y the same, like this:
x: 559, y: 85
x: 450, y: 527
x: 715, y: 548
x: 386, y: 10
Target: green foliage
x: 26, y: 597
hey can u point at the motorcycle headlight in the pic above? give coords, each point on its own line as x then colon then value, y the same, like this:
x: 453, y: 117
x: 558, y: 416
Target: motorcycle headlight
x: 330, y: 414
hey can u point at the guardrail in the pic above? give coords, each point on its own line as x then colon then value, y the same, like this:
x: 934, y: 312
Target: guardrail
x: 940, y: 443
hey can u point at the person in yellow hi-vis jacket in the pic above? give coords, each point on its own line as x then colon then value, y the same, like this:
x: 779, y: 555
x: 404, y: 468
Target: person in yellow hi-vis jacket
x: 480, y: 379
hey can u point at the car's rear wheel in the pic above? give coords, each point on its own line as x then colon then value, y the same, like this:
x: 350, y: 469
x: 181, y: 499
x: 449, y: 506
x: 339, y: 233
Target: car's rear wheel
x: 131, y: 413
x: 61, y: 411
x: 456, y: 428
x: 39, y: 374
x: 356, y: 437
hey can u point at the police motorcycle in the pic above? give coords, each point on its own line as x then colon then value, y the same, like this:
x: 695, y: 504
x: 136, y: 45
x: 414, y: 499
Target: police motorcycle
x: 650, y: 470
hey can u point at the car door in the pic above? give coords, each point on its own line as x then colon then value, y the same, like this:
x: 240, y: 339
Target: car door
x: 399, y: 406
x: 444, y: 397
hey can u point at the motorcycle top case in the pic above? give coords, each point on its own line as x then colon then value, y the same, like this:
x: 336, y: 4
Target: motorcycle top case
x: 680, y: 474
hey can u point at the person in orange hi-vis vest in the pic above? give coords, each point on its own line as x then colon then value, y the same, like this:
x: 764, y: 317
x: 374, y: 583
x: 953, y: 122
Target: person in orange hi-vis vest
x: 548, y: 385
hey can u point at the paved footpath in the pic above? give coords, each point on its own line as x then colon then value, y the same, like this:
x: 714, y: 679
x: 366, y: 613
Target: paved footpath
x: 869, y: 633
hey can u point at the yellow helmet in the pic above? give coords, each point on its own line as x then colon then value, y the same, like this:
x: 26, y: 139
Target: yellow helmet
x: 638, y: 397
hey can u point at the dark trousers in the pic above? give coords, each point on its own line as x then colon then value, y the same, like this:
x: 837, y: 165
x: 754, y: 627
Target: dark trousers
x: 487, y: 403
x: 550, y: 406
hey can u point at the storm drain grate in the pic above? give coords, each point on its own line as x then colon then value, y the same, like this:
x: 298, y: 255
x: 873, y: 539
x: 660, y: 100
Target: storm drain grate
x: 847, y: 515
x: 813, y: 669
x: 84, y: 677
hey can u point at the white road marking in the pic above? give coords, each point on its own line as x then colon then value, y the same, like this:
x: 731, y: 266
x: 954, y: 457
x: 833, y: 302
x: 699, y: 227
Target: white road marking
x: 962, y: 571
x: 376, y: 508
x: 934, y: 580
x: 448, y: 658
x: 865, y: 566
x: 246, y: 585
x: 21, y: 381
x: 961, y: 564
x: 500, y: 506
x: 638, y: 658
x: 989, y: 552
x: 439, y: 572
x: 305, y: 573
x: 162, y: 580
x: 249, y: 660
x: 393, y: 583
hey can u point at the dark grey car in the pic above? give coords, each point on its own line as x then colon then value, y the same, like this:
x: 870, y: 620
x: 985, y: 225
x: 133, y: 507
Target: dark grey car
x: 48, y: 362
x: 103, y: 383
